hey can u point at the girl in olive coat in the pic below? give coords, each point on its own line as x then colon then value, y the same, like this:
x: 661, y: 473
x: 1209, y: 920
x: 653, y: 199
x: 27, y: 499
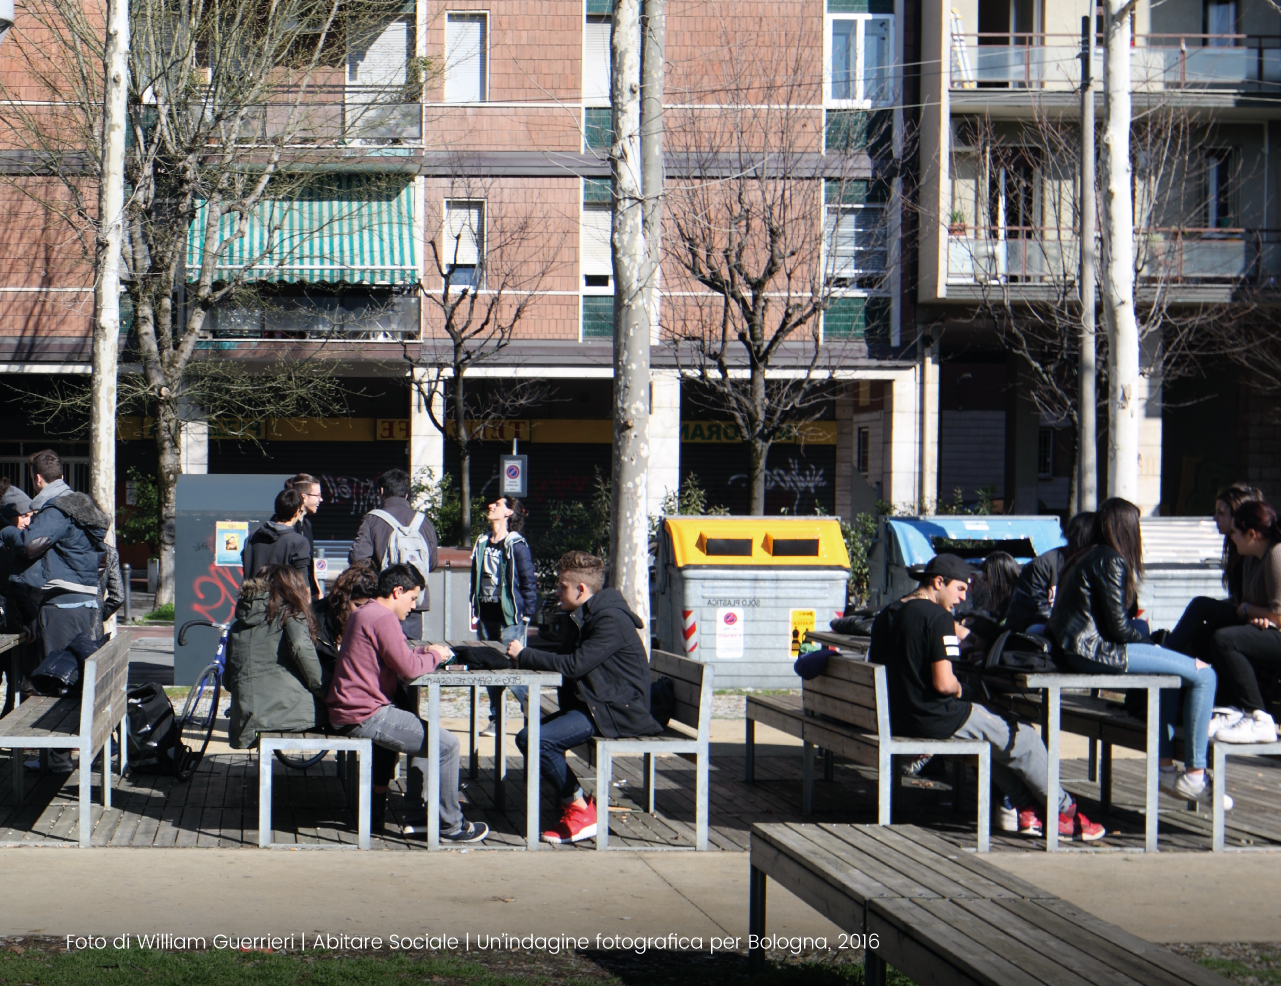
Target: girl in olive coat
x: 273, y: 673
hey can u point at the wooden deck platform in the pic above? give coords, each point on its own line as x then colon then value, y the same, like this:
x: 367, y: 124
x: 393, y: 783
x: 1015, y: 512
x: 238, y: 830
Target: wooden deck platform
x: 218, y: 807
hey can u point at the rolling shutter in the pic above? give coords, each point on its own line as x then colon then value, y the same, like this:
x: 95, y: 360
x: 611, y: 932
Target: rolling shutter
x: 464, y: 232
x: 465, y: 55
x: 597, y: 258
x: 596, y: 37
x: 380, y: 59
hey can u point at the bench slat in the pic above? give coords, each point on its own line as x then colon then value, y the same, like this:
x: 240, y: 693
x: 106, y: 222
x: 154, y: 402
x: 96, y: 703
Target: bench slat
x: 857, y: 715
x: 860, y: 747
x: 848, y: 669
x: 945, y: 863
x: 677, y: 668
x: 782, y: 712
x: 842, y: 690
x: 931, y: 842
x: 22, y: 719
x: 796, y: 842
x: 795, y: 876
x: 62, y: 718
x: 912, y: 872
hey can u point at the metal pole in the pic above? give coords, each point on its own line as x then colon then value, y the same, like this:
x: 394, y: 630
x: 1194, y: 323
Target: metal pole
x: 126, y: 572
x: 1087, y: 439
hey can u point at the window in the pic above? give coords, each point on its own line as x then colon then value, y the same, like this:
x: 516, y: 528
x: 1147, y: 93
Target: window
x: 466, y: 58
x: 596, y: 35
x: 463, y: 245
x: 1045, y: 453
x: 860, y: 58
x: 381, y: 55
x: 850, y: 318
x: 854, y: 236
x: 1221, y: 22
x: 598, y: 316
x: 862, y: 450
x: 598, y: 128
x: 1219, y: 187
x: 596, y: 256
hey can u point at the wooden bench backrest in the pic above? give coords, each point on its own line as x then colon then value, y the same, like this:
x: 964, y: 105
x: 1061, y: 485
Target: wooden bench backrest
x: 850, y: 691
x: 693, y: 684
x: 106, y: 681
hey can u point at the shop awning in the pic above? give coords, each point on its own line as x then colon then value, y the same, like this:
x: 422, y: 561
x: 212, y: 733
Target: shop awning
x: 346, y: 229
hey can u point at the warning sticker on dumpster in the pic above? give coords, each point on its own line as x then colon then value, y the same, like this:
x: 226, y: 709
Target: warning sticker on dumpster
x: 729, y: 633
x: 803, y: 621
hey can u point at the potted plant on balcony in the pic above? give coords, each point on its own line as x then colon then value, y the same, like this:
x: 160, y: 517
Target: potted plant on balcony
x: 956, y: 225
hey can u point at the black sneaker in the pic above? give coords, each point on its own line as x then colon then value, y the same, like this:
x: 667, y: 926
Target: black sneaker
x: 470, y: 832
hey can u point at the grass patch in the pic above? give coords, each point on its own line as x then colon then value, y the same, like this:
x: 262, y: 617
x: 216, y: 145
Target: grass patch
x: 161, y: 614
x: 1241, y: 962
x: 53, y: 966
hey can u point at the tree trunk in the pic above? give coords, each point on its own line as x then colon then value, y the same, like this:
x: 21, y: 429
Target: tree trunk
x: 1118, y: 268
x: 1087, y: 471
x: 464, y: 460
x: 757, y: 455
x: 106, y: 329
x: 629, y: 516
x: 169, y: 450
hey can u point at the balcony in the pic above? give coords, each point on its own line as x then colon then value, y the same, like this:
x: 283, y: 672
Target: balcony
x: 351, y: 115
x: 1158, y: 62
x: 1038, y: 259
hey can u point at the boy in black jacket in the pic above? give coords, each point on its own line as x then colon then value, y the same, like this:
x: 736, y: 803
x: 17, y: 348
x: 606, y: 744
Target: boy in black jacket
x: 606, y: 687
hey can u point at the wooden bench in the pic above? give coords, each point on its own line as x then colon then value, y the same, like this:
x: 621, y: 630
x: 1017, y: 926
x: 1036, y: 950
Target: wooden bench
x: 357, y: 779
x: 942, y: 916
x: 83, y: 723
x: 693, y: 686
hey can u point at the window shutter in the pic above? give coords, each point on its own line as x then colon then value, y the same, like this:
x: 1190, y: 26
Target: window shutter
x: 596, y: 37
x: 464, y: 233
x: 840, y: 232
x: 597, y: 258
x: 382, y: 57
x: 465, y: 53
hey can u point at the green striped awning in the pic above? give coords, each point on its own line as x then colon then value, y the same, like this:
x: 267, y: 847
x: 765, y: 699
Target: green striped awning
x: 344, y: 229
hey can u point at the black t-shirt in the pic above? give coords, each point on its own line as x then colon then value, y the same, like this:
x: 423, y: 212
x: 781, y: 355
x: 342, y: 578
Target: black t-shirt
x: 908, y: 638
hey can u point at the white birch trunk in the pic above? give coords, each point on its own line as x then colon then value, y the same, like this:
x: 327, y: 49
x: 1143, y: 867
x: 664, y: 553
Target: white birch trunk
x: 1118, y: 266
x: 629, y: 521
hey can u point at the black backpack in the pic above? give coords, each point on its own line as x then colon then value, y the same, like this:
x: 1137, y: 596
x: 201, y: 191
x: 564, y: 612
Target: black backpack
x: 662, y: 700
x: 1026, y: 653
x: 153, y: 731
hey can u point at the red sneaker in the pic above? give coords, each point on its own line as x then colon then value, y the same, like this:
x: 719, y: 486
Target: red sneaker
x: 1030, y: 822
x: 1074, y: 825
x: 575, y: 825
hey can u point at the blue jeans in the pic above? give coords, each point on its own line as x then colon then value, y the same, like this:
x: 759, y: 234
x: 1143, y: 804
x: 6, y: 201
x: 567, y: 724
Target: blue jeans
x: 493, y: 630
x: 560, y: 733
x: 1198, y: 698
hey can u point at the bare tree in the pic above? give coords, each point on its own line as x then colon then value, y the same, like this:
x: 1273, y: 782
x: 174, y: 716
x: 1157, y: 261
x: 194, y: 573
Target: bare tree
x: 769, y: 233
x: 237, y: 114
x: 490, y: 261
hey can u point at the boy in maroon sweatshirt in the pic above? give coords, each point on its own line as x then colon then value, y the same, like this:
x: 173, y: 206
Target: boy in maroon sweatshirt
x: 372, y: 661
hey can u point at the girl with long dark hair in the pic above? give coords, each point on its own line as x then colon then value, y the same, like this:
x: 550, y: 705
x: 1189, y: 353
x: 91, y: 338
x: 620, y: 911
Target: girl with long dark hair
x: 1093, y: 634
x: 1237, y: 652
x: 1033, y: 597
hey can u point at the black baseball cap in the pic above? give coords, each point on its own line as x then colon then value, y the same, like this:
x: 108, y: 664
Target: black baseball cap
x: 948, y: 566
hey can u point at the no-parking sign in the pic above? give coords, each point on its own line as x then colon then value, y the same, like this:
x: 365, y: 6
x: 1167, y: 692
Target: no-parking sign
x: 512, y: 479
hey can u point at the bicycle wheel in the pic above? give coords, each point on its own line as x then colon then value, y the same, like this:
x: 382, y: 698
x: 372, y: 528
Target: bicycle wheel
x: 301, y: 759
x: 196, y: 724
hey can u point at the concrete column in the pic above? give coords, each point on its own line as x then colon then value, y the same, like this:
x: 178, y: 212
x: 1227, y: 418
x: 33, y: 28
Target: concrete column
x: 194, y: 447
x: 928, y: 459
x: 1149, y: 445
x: 664, y: 436
x: 846, y: 436
x: 426, y: 443
x: 1022, y: 438
x: 902, y: 440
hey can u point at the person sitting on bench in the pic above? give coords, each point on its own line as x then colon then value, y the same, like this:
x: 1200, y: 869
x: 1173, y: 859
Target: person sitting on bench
x: 605, y: 690
x: 1033, y: 598
x: 916, y: 639
x: 372, y: 660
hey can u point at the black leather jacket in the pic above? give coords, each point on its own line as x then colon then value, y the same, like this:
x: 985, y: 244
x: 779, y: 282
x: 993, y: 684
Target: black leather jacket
x: 1089, y: 625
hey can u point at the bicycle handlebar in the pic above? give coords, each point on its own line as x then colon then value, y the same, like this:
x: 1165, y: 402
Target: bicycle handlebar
x: 182, y: 632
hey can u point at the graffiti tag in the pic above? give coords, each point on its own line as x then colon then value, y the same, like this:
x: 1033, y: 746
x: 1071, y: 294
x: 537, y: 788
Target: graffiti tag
x: 216, y: 592
x: 791, y: 480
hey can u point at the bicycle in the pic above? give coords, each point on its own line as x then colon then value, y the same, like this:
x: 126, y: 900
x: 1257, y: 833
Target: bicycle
x: 200, y: 711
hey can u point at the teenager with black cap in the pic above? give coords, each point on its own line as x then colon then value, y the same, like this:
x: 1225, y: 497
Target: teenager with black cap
x: 916, y: 639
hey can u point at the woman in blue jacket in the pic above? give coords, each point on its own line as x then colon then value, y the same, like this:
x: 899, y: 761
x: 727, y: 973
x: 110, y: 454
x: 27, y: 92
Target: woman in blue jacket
x: 503, y: 594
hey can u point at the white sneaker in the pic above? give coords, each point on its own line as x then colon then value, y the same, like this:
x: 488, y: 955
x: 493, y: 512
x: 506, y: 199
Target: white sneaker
x: 1186, y: 790
x: 490, y: 730
x: 1223, y: 716
x: 1257, y: 727
x: 1007, y: 818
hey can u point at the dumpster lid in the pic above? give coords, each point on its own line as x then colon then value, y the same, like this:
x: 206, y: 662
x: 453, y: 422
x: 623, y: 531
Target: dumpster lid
x: 973, y: 537
x: 757, y: 541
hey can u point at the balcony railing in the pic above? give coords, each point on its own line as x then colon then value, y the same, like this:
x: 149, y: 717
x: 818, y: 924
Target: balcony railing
x: 1158, y: 62
x: 324, y: 114
x: 1032, y: 256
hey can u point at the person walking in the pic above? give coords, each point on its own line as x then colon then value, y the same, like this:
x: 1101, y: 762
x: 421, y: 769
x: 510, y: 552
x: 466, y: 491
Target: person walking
x: 398, y: 534
x: 503, y: 594
x: 277, y: 541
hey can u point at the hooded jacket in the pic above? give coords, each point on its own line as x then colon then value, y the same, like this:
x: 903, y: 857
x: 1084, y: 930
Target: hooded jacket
x: 1090, y: 624
x: 273, y: 674
x: 276, y: 544
x: 516, y: 590
x: 64, y: 542
x: 604, y: 666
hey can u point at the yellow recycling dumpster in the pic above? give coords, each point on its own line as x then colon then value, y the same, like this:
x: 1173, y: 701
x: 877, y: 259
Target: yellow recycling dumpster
x: 739, y: 593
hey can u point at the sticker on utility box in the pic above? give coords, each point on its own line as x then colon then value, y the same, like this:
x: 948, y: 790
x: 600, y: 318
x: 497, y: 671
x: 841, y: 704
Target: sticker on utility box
x: 229, y: 541
x: 729, y: 633
x: 803, y: 621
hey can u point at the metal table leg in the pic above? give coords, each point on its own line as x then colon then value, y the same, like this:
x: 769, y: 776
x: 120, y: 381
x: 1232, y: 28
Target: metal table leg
x: 500, y: 752
x: 533, y: 753
x: 1153, y: 789
x: 1052, y: 697
x: 474, y: 766
x: 433, y: 766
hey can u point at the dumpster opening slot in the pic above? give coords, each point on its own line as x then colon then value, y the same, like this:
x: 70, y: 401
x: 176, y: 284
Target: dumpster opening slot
x: 791, y: 547
x: 982, y: 547
x: 739, y: 547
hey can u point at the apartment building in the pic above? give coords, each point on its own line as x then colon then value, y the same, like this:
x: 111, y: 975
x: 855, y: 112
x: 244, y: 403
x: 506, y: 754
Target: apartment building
x: 1000, y: 239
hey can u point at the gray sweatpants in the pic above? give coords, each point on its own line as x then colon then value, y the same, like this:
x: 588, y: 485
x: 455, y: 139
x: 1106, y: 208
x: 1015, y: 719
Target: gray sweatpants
x: 396, y: 729
x: 1019, y: 759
